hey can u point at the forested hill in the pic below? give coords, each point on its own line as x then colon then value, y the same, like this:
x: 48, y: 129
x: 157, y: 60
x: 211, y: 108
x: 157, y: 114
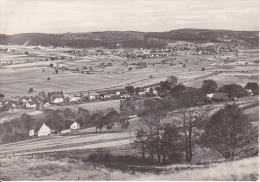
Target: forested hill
x: 113, y: 39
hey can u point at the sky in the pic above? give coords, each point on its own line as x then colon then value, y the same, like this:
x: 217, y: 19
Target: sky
x: 61, y: 16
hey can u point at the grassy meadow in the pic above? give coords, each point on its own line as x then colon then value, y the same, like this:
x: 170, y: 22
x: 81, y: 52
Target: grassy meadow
x: 32, y: 169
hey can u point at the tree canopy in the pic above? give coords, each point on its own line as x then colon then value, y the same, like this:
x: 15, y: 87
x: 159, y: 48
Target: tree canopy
x: 233, y: 90
x: 209, y: 86
x: 253, y: 86
x: 228, y: 130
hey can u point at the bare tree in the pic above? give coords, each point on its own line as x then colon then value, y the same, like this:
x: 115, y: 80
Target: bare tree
x: 189, y: 118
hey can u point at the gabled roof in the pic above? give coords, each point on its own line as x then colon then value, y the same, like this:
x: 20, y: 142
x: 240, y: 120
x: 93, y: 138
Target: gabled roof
x: 36, y: 127
x: 68, y: 123
x: 32, y: 102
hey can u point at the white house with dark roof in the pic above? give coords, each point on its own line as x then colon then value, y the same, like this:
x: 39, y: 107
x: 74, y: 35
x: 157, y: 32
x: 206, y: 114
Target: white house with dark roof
x: 74, y: 126
x: 40, y: 130
x: 69, y: 126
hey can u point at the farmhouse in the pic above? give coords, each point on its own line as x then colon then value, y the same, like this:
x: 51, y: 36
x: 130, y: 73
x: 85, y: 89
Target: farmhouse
x: 74, y: 126
x: 69, y: 126
x: 40, y: 130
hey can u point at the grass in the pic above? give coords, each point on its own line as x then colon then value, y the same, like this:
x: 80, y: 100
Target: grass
x: 20, y: 169
x: 241, y: 170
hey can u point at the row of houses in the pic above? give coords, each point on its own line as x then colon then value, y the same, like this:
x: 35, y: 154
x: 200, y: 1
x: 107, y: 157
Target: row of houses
x: 43, y: 100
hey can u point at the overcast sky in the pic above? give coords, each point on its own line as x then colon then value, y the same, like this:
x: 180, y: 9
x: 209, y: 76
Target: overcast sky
x: 60, y: 16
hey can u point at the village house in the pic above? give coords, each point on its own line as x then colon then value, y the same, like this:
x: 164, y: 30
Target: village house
x: 209, y: 96
x: 24, y: 100
x: 119, y: 92
x: 75, y: 99
x: 69, y: 126
x: 31, y: 105
x: 58, y: 100
x: 75, y: 126
x: 141, y: 91
x: 54, y: 95
x: 40, y: 130
x: 46, y: 104
x: 91, y: 97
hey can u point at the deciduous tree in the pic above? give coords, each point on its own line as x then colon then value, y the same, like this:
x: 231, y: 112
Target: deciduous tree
x: 209, y: 86
x: 228, y: 131
x: 253, y: 86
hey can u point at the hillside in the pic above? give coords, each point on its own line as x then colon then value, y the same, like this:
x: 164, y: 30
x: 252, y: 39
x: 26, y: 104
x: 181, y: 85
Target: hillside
x: 133, y: 39
x: 37, y: 169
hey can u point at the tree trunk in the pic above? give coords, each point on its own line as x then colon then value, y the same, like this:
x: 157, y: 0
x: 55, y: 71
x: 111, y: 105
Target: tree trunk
x: 186, y: 149
x: 190, y: 145
x: 159, y: 156
x: 143, y: 152
x: 164, y: 159
x: 99, y: 130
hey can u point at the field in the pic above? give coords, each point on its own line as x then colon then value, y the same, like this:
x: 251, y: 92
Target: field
x: 16, y: 79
